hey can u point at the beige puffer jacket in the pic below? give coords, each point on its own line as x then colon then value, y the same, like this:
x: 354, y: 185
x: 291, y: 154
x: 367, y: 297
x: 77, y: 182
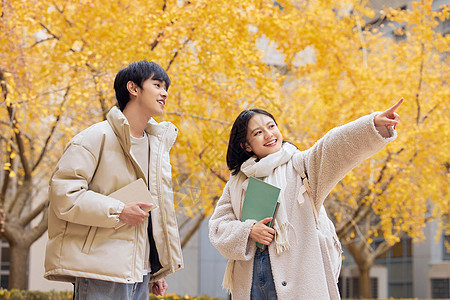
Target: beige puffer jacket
x: 85, y: 239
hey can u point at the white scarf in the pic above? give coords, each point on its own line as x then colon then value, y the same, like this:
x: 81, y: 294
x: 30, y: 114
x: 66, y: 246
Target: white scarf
x: 270, y: 169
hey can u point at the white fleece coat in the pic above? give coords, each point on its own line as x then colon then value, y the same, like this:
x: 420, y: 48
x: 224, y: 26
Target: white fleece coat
x: 298, y: 273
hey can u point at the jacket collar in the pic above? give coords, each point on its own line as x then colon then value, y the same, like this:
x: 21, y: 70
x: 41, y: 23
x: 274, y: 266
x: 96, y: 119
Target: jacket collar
x: 121, y: 128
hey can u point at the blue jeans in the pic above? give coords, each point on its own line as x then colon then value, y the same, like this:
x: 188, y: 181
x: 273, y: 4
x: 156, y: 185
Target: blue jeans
x: 263, y: 287
x: 94, y: 289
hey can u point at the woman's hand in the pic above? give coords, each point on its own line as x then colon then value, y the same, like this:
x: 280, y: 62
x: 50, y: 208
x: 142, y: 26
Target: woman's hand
x: 159, y: 287
x: 262, y: 233
x: 389, y: 117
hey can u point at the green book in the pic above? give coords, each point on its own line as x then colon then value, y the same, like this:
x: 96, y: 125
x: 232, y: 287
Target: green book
x: 260, y: 201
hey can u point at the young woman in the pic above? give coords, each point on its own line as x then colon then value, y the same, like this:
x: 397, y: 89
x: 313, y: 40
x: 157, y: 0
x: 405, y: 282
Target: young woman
x: 294, y: 265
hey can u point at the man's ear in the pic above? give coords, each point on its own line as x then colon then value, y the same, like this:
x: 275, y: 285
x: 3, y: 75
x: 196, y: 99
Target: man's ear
x: 132, y: 88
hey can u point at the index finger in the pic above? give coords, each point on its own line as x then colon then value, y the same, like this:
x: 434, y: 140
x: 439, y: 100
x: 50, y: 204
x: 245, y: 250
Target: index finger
x: 396, y: 105
x: 266, y: 220
x: 145, y: 206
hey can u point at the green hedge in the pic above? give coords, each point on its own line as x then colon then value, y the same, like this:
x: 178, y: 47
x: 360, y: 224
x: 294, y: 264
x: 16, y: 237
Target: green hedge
x: 67, y: 295
x: 34, y: 295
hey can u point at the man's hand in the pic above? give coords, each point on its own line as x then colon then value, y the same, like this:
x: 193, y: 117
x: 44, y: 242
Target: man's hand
x: 389, y: 117
x: 262, y: 233
x: 159, y: 287
x: 133, y: 213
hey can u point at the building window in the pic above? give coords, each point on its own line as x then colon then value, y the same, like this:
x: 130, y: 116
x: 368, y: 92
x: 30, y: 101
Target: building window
x: 399, y: 34
x: 374, y: 288
x: 398, y: 261
x: 4, y: 264
x: 340, y: 285
x: 347, y: 288
x: 446, y: 249
x: 350, y: 289
x: 355, y: 287
x: 440, y: 288
x: 444, y: 26
x: 402, y: 249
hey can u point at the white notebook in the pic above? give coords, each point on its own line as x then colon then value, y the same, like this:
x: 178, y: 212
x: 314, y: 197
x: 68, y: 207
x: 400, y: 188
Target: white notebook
x: 135, y: 192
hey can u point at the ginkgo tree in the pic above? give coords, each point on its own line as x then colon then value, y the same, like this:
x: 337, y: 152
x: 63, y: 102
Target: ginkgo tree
x: 58, y: 61
x: 59, y: 58
x: 356, y: 69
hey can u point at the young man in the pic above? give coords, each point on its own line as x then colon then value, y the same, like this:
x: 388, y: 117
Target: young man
x: 108, y: 249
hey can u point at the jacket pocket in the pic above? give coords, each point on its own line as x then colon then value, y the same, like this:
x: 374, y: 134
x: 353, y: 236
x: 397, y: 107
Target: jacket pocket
x: 89, y: 239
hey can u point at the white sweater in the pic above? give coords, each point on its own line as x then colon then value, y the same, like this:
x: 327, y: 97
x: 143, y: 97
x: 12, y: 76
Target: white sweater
x: 298, y: 273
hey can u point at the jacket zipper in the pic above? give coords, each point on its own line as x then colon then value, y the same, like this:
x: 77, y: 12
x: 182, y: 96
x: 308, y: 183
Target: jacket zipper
x: 135, y: 252
x: 136, y: 233
x: 159, y: 189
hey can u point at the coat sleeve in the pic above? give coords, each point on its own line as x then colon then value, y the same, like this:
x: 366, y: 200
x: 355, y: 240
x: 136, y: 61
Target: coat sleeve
x: 229, y: 235
x: 339, y: 151
x: 69, y: 193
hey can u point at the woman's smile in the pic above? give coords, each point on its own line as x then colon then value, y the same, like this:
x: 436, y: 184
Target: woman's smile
x: 263, y: 136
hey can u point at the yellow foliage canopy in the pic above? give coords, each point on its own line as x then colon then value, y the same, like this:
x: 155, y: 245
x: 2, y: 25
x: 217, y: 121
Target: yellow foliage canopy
x: 59, y: 59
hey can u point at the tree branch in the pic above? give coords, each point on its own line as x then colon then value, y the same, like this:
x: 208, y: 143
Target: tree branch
x: 6, y: 180
x: 6, y: 139
x: 61, y: 11
x: 363, y: 42
x: 156, y: 40
x: 419, y: 87
x: 178, y: 50
x: 199, y: 117
x: 37, y: 231
x: 19, y: 141
x: 382, y: 248
x: 197, y: 224
x: 364, y: 208
x: 42, y: 41
x: 21, y: 198
x: 428, y: 113
x: 361, y: 236
x: 218, y: 175
x: 25, y: 220
x: 54, y: 36
x: 52, y: 130
x: 193, y: 230
x: 3, y: 85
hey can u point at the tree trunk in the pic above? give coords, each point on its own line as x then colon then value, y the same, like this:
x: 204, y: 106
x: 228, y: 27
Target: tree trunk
x: 364, y: 281
x: 18, y: 266
x: 21, y: 234
x: 364, y: 260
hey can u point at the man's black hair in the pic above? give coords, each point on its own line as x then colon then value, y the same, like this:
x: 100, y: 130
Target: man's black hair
x: 137, y: 72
